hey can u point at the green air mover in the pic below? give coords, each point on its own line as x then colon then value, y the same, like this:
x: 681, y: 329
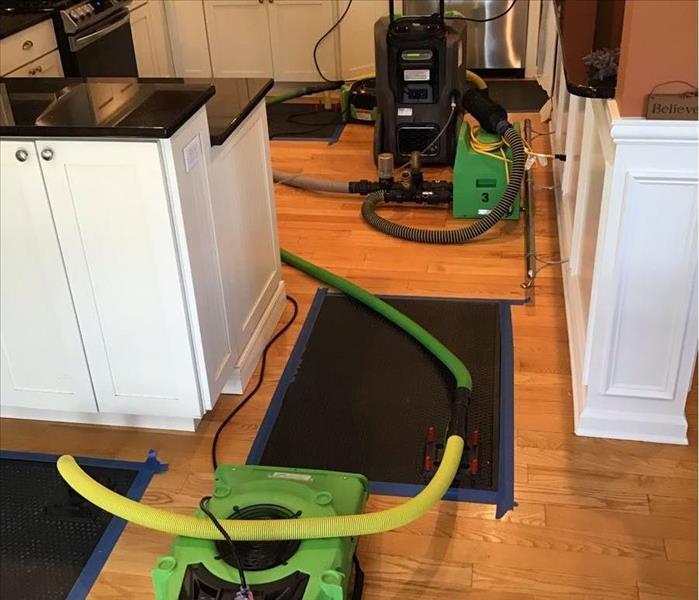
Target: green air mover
x: 480, y: 180
x: 317, y: 569
x: 358, y: 100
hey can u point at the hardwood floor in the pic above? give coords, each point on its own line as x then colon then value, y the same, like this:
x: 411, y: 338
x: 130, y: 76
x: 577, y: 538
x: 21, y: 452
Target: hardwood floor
x: 597, y: 519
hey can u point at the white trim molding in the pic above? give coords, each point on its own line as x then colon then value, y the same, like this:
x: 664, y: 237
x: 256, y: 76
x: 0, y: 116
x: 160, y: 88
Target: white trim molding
x: 631, y: 282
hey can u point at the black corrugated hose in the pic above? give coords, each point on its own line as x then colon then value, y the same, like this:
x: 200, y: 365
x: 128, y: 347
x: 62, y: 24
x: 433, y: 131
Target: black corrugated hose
x: 462, y: 234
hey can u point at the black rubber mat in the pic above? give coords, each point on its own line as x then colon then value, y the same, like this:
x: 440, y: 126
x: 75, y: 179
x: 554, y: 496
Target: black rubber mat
x: 47, y: 534
x: 364, y: 392
x: 517, y: 95
x: 302, y: 121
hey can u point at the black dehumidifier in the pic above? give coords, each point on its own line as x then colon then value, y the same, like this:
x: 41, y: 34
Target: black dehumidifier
x: 419, y: 72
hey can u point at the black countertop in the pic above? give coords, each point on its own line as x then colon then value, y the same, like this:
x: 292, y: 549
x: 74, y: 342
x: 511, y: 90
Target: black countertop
x: 582, y: 31
x: 233, y: 101
x: 11, y: 24
x: 145, y: 108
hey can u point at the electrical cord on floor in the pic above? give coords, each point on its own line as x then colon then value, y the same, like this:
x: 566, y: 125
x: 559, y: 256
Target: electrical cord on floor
x: 320, y: 41
x: 244, y: 589
x: 486, y: 20
x: 336, y: 119
x: 254, y: 390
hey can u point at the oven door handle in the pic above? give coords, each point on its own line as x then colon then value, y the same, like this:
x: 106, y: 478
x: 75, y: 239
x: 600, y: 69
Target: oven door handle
x: 77, y: 43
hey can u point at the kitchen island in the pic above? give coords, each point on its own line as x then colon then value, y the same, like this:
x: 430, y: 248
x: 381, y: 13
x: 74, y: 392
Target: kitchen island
x: 140, y: 263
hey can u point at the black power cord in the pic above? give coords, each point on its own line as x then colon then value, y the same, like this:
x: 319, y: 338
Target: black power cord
x: 257, y: 385
x: 320, y: 41
x: 204, y: 506
x: 472, y: 20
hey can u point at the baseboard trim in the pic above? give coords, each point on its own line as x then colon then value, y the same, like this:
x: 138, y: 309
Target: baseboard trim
x: 645, y: 427
x: 253, y: 351
x: 111, y: 419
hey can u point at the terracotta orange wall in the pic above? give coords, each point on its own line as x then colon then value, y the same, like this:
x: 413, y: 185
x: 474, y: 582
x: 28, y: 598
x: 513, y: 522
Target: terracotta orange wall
x: 658, y: 43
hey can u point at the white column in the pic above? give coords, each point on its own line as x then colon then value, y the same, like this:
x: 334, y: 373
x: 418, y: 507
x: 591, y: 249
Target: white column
x: 641, y: 334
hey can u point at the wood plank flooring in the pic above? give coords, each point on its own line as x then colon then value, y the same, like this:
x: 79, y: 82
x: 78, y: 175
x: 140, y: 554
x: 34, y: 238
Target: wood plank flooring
x: 597, y: 519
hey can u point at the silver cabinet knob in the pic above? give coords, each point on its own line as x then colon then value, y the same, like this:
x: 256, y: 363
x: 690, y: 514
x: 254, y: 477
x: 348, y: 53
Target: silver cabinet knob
x: 28, y: 45
x: 22, y: 155
x: 47, y: 154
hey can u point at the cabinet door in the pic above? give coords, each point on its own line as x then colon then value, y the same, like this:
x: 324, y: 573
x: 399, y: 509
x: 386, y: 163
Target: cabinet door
x: 149, y: 33
x: 188, y: 38
x: 46, y: 66
x: 43, y: 362
x: 239, y: 38
x: 295, y: 27
x: 143, y: 42
x: 357, y: 36
x: 110, y: 206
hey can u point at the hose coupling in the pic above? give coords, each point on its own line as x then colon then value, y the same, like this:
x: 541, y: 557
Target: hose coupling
x: 364, y: 187
x: 459, y: 412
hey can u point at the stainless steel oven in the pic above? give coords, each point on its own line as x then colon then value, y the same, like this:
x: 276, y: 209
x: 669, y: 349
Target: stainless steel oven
x: 95, y: 39
x: 94, y: 36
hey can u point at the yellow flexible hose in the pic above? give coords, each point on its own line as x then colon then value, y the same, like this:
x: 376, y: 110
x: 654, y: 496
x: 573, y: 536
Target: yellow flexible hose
x: 264, y: 530
x: 476, y: 80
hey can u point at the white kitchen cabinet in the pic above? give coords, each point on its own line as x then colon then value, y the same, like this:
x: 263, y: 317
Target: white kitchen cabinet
x: 46, y: 66
x: 139, y: 279
x: 26, y: 46
x: 110, y: 206
x: 239, y: 38
x: 43, y: 363
x: 253, y: 38
x: 357, y: 36
x: 188, y: 38
x: 150, y: 39
x: 295, y: 26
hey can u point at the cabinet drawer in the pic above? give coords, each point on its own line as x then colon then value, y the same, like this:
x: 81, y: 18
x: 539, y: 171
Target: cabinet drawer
x: 46, y: 66
x: 26, y: 46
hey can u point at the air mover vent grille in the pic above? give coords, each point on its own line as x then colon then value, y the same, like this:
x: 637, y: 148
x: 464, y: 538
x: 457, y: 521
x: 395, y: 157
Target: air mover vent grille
x: 413, y: 138
x: 260, y: 556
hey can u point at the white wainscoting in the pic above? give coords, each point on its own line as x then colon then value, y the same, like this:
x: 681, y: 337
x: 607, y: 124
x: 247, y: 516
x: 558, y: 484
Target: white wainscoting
x: 629, y: 230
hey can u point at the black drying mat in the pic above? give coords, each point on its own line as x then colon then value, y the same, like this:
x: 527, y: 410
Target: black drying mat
x: 301, y: 121
x: 517, y: 95
x: 364, y: 392
x: 45, y: 543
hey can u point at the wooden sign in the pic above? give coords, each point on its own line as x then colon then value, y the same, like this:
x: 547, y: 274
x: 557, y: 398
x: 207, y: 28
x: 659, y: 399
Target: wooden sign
x: 672, y: 107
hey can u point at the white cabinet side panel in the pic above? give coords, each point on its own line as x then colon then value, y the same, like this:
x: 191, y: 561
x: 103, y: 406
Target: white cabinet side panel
x: 243, y: 196
x: 43, y: 362
x: 111, y: 208
x: 187, y: 162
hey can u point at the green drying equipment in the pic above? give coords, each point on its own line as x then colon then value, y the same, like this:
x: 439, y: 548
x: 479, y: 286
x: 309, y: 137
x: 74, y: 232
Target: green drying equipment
x: 198, y: 569
x: 481, y: 173
x: 323, y: 528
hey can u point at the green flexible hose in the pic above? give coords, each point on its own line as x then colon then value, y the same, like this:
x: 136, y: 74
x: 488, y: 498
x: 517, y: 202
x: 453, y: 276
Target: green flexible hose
x: 305, y: 528
x: 431, y: 343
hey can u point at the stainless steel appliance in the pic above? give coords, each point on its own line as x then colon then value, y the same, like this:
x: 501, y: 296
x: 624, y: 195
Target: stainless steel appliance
x: 498, y: 44
x: 94, y: 36
x: 96, y: 39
